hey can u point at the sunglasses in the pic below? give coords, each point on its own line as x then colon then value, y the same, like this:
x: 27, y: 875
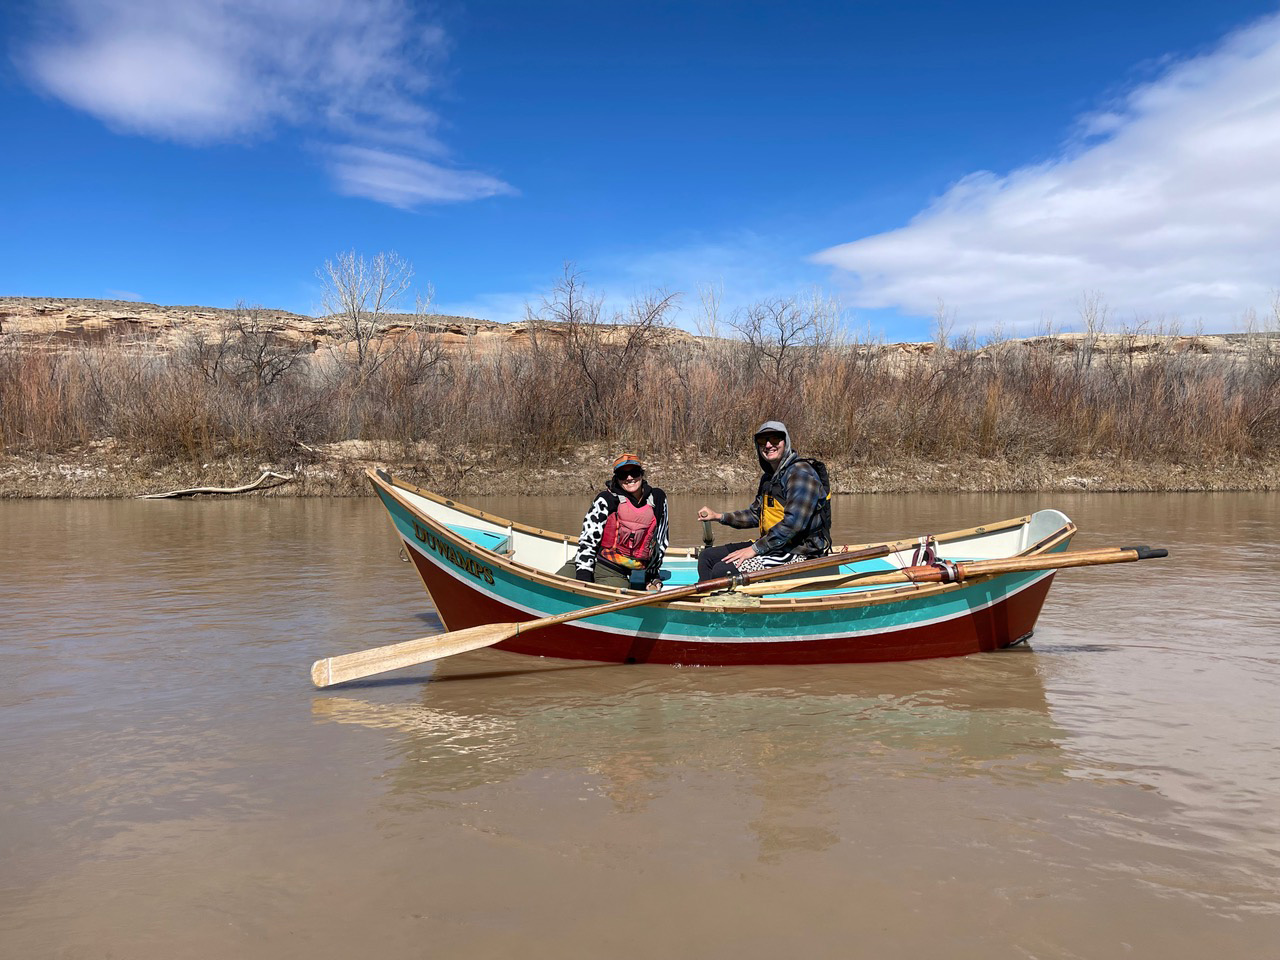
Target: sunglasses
x: 630, y: 474
x: 773, y: 439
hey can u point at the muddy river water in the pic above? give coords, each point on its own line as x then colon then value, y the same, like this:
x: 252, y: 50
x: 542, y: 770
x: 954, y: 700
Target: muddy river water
x: 171, y: 785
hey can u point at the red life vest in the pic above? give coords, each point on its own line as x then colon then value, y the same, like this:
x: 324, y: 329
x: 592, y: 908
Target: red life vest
x: 628, y: 535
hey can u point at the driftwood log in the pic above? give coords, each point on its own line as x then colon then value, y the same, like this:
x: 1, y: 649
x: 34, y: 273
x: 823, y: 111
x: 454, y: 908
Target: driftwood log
x: 193, y: 491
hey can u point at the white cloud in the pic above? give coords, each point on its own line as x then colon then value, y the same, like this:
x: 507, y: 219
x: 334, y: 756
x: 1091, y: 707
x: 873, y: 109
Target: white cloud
x: 402, y: 181
x: 350, y: 74
x: 1169, y: 207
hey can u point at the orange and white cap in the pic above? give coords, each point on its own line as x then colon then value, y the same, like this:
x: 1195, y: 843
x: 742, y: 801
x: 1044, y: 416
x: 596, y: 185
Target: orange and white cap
x: 627, y: 460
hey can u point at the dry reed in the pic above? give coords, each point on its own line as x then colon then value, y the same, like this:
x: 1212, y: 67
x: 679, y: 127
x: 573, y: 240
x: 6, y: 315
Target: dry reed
x: 854, y: 403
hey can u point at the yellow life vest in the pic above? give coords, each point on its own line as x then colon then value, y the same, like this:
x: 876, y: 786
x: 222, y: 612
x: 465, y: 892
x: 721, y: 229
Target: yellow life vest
x: 773, y: 508
x: 771, y: 512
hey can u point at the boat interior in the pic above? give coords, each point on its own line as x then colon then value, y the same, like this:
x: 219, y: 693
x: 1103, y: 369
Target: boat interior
x: 547, y: 551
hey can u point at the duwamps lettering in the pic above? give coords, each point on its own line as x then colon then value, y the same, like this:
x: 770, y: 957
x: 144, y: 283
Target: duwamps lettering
x: 477, y: 570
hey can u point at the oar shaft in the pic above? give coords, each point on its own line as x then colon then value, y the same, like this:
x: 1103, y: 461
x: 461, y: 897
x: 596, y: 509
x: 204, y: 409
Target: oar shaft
x: 1058, y: 561
x: 971, y: 569
x: 707, y: 586
x: 366, y: 663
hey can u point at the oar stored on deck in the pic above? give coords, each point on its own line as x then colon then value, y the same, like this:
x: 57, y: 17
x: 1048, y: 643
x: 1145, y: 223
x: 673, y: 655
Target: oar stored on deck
x: 959, y: 571
x: 366, y: 663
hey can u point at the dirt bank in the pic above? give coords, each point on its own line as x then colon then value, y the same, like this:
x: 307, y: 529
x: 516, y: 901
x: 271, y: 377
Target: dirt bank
x: 105, y: 470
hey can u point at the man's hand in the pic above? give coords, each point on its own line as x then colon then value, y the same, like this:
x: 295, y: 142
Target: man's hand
x: 738, y: 556
x: 706, y: 513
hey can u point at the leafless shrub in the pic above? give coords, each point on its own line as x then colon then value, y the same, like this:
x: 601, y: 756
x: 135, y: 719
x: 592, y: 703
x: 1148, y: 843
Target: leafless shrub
x: 590, y: 375
x: 601, y: 356
x: 782, y: 335
x: 244, y: 350
x: 360, y: 293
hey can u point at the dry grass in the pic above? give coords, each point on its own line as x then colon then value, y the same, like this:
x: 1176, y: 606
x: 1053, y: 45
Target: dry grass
x: 241, y: 396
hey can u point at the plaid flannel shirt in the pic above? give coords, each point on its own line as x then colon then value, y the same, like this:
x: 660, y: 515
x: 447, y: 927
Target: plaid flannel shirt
x: 803, y: 491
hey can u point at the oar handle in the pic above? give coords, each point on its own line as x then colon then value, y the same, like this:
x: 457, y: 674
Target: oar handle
x: 1148, y: 553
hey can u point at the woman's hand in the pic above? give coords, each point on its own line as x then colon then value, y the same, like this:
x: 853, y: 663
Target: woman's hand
x: 738, y: 556
x: 706, y: 513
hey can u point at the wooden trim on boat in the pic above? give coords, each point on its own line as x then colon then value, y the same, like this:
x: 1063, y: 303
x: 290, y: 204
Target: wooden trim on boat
x: 390, y: 481
x: 708, y: 602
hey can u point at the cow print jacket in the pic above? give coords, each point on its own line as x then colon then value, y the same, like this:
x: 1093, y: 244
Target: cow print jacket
x: 605, y: 503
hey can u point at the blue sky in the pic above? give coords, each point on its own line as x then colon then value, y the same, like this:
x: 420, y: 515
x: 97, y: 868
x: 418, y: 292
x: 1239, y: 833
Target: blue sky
x: 1008, y: 159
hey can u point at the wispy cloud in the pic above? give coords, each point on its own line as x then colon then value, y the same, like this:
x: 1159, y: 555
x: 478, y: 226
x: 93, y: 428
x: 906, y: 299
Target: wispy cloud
x: 404, y: 181
x: 1167, y: 204
x: 352, y: 75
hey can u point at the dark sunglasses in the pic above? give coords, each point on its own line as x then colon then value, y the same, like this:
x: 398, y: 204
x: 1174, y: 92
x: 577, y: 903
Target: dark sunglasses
x: 630, y: 474
x: 770, y: 438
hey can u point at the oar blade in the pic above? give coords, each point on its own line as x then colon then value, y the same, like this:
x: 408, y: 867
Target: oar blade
x: 366, y: 663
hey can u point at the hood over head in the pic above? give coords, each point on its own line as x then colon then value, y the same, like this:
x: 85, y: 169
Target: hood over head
x: 773, y: 426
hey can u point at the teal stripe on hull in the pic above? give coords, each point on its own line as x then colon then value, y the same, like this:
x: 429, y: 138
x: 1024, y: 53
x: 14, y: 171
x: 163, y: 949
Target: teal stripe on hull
x: 749, y: 624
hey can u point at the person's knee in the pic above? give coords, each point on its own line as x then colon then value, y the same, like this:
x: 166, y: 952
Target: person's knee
x: 711, y: 563
x: 709, y: 559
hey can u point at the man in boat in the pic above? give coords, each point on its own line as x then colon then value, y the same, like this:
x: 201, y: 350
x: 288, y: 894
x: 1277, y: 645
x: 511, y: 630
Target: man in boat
x: 792, y: 511
x: 625, y: 530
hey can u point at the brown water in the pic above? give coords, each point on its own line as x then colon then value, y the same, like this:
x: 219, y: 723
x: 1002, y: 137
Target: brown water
x: 171, y: 785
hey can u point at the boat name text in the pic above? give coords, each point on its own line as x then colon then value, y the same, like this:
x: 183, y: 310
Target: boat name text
x: 477, y: 570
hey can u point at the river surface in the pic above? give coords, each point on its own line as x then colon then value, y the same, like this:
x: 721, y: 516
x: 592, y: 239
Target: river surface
x: 171, y: 785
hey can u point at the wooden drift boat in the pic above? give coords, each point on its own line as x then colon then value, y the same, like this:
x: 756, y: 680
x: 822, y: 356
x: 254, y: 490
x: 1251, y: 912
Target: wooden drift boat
x: 481, y: 569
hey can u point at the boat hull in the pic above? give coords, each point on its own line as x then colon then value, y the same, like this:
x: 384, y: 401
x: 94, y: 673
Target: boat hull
x: 470, y: 563
x: 989, y: 617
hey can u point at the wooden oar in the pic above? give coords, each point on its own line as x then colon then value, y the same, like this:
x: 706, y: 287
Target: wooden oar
x: 964, y: 570
x: 861, y: 578
x: 365, y: 663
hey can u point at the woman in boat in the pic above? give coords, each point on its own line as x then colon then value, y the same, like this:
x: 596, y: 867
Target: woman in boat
x: 792, y: 510
x: 625, y: 530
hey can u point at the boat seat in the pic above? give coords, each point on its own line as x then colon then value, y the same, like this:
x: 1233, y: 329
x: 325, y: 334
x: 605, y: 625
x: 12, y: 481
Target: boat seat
x: 497, y: 542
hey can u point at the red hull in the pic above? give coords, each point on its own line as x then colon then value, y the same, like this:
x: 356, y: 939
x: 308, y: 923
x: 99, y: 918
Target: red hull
x: 991, y: 628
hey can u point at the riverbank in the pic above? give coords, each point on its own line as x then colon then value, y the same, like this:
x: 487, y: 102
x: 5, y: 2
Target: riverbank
x: 106, y: 469
x: 102, y: 399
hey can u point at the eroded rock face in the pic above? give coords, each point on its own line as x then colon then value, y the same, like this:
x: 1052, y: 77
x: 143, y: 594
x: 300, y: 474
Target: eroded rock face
x: 52, y: 322
x: 56, y: 321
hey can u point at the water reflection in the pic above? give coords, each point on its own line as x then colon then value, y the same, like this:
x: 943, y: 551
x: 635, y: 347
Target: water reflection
x: 791, y: 736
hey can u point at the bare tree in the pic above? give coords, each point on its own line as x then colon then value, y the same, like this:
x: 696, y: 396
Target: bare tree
x: 417, y: 351
x: 264, y: 356
x: 359, y: 293
x: 245, y: 351
x: 782, y: 333
x: 208, y: 354
x: 710, y: 295
x: 602, y: 352
x: 944, y: 320
x: 1094, y: 313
